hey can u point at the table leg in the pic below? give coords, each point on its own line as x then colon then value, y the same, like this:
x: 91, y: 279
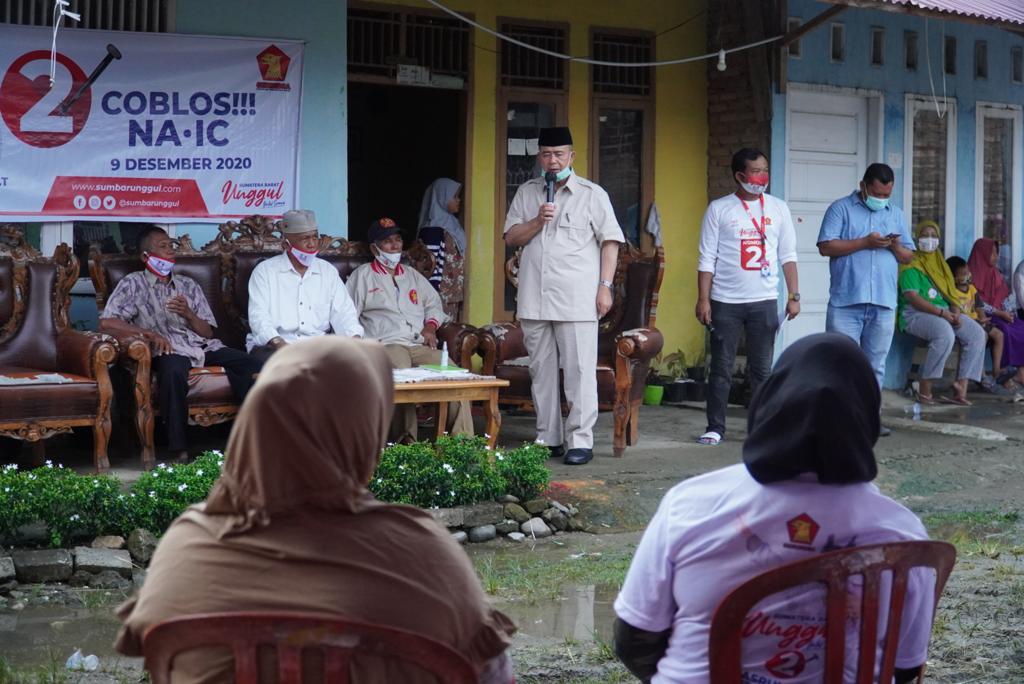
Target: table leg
x: 493, y: 418
x: 442, y: 417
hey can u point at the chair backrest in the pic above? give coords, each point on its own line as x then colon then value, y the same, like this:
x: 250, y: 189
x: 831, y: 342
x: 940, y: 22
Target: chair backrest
x: 291, y: 634
x: 833, y: 569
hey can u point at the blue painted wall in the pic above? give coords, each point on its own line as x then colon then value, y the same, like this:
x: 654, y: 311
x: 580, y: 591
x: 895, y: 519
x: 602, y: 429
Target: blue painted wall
x: 323, y: 161
x: 895, y: 82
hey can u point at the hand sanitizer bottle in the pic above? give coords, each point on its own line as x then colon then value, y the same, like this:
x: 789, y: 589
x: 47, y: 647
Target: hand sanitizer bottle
x: 444, y: 355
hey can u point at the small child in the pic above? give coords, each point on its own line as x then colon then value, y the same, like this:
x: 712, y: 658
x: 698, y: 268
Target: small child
x: 970, y: 304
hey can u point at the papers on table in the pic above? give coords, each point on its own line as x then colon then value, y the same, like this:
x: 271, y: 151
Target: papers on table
x: 39, y: 379
x: 425, y: 374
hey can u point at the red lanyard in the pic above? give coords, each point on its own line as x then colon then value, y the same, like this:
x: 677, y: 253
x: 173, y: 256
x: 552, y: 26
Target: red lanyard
x: 759, y: 228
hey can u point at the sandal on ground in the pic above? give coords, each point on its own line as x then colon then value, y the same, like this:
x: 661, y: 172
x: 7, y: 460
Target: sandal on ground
x: 1007, y: 374
x: 953, y: 399
x: 710, y: 439
x: 923, y: 398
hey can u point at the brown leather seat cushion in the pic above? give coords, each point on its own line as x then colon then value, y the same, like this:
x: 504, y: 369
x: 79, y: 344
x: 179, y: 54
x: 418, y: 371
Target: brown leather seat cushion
x: 519, y: 382
x: 77, y: 399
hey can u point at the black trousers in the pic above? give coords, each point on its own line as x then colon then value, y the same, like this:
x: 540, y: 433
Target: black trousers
x: 760, y: 320
x: 172, y: 386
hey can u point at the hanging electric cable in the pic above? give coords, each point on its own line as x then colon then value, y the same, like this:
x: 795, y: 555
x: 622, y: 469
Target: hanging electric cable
x: 58, y: 17
x: 719, y: 54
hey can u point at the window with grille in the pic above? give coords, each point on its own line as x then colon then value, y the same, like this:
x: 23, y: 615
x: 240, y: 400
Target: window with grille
x: 611, y: 47
x: 153, y: 16
x: 380, y: 40
x: 523, y: 68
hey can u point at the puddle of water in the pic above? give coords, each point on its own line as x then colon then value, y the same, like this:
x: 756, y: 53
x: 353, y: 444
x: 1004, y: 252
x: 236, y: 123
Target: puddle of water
x: 580, y: 613
x: 30, y: 637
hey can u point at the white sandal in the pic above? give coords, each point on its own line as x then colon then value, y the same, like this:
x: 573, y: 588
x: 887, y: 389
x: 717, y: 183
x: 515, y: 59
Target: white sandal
x: 710, y: 439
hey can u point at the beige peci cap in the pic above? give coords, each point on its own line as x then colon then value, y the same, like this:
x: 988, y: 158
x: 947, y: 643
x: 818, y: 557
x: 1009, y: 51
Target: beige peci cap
x: 298, y: 221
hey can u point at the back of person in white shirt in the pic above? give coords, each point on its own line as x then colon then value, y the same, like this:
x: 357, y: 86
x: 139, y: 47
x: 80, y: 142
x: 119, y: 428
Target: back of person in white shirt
x: 804, y: 488
x: 745, y: 240
x: 296, y: 295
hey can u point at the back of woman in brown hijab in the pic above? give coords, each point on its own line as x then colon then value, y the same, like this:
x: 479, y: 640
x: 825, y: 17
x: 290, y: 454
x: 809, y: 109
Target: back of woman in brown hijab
x: 290, y: 526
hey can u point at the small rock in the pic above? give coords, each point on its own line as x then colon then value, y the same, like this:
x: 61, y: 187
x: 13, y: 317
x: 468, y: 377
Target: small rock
x: 8, y: 586
x: 16, y: 594
x: 535, y: 506
x: 81, y: 578
x: 449, y: 517
x: 507, y: 499
x: 535, y: 527
x: 483, y: 514
x: 6, y: 569
x: 576, y: 525
x: 482, y: 533
x: 516, y: 512
x: 516, y: 536
x: 555, y: 518
x: 58, y: 625
x: 460, y: 536
x: 573, y: 510
x: 18, y: 606
x: 141, y: 544
x: 564, y: 510
x: 99, y: 560
x: 109, y: 579
x: 507, y: 527
x: 108, y: 542
x: 50, y: 565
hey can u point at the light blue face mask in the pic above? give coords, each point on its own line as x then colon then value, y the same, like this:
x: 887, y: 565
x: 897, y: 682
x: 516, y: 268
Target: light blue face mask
x: 563, y: 174
x: 875, y: 203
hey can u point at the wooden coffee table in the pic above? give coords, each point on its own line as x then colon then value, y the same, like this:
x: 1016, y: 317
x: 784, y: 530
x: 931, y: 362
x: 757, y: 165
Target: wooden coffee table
x: 440, y: 392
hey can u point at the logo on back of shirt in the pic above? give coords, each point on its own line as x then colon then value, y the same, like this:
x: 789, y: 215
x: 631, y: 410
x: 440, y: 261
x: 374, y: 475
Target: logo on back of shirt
x: 802, y: 531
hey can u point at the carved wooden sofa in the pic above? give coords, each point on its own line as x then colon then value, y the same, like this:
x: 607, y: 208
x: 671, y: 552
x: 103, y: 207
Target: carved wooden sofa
x: 222, y: 269
x: 36, y: 340
x: 627, y: 341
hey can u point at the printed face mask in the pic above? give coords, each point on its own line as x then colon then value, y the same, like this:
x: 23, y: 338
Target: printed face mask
x: 160, y: 267
x: 756, y: 183
x: 302, y: 256
x: 875, y: 203
x: 389, y: 259
x: 928, y: 244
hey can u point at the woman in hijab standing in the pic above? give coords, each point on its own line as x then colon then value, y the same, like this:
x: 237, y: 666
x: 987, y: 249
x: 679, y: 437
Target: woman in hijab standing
x: 290, y: 526
x: 804, y: 486
x: 926, y: 288
x: 440, y: 230
x: 1001, y: 305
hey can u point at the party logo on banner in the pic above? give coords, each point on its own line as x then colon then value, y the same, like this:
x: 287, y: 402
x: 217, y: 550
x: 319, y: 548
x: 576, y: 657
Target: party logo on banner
x: 273, y: 63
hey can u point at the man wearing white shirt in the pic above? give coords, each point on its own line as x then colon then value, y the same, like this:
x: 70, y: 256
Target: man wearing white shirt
x: 295, y: 295
x: 746, y: 239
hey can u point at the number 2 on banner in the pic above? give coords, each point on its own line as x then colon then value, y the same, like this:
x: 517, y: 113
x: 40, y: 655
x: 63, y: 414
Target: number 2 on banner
x: 38, y: 119
x: 751, y: 255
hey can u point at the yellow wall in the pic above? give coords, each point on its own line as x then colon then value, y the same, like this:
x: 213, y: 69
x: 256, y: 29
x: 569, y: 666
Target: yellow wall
x: 680, y: 140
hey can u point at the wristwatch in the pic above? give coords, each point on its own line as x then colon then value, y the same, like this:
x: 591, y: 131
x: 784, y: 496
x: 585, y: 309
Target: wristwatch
x: 794, y: 296
x: 606, y: 283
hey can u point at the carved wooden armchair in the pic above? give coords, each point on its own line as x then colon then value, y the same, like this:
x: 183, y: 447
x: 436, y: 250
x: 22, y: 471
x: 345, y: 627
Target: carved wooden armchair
x: 627, y: 341
x: 70, y: 382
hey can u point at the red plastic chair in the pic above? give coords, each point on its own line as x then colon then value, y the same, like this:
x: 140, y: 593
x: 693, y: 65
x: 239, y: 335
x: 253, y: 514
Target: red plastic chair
x: 292, y: 633
x: 833, y: 569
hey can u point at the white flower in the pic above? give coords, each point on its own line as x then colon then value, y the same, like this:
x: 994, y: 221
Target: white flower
x: 170, y: 469
x: 401, y: 466
x: 132, y: 494
x: 31, y: 476
x: 49, y: 464
x: 448, y: 468
x: 61, y: 466
x: 152, y: 494
x: 199, y: 472
x: 74, y: 517
x: 540, y: 441
x: 156, y: 473
x: 7, y: 489
x: 437, y: 493
x: 378, y: 480
x: 95, y: 483
x: 500, y: 457
x: 218, y: 452
x: 451, y: 493
x: 120, y: 496
x: 182, y: 487
x: 161, y: 466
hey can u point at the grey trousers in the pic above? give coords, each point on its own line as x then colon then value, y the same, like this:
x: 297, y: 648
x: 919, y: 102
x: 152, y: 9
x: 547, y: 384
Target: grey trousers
x: 940, y: 336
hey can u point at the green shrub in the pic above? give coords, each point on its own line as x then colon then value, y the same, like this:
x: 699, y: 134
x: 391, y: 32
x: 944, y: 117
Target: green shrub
x: 524, y: 471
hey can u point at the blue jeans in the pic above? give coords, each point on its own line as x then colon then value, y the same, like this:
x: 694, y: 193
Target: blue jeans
x: 870, y: 326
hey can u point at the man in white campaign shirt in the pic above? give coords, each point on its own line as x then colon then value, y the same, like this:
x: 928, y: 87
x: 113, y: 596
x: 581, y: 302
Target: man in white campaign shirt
x: 295, y: 295
x: 746, y: 239
x: 804, y: 488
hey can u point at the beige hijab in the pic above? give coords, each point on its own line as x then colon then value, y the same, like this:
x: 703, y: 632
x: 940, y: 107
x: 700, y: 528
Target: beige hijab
x: 290, y: 526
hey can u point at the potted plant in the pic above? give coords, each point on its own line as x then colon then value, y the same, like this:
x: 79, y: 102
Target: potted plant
x: 676, y: 382
x: 654, y: 388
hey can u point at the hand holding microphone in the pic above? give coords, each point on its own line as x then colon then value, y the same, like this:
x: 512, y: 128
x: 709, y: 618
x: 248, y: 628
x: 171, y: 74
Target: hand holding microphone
x: 547, y: 210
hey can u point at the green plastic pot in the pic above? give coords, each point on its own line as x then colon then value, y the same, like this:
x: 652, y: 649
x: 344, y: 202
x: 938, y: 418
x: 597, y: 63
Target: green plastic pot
x: 653, y: 395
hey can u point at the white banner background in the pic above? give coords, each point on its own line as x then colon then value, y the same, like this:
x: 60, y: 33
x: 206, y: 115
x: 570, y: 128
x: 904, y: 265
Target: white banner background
x: 180, y: 128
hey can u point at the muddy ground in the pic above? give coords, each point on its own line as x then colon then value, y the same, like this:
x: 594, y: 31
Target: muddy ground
x: 959, y: 469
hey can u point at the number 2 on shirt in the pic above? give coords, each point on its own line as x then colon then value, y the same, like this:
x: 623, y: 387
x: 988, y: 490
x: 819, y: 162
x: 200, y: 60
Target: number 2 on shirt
x: 751, y: 254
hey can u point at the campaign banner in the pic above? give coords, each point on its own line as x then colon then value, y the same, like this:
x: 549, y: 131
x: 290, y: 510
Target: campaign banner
x: 147, y: 126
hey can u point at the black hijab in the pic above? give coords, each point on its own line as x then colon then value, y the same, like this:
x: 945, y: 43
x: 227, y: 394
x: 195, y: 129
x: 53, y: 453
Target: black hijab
x: 816, y: 413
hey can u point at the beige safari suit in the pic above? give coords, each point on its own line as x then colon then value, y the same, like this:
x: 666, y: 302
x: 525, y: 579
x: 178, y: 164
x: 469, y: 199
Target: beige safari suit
x: 557, y: 302
x: 393, y: 311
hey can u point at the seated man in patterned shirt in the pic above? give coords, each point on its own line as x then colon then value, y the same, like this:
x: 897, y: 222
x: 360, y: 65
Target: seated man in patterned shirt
x: 172, y: 314
x: 399, y: 307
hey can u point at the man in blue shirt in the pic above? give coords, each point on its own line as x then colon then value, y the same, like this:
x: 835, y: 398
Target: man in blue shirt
x: 865, y: 239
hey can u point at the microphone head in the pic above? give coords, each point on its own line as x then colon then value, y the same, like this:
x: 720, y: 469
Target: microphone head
x: 550, y: 177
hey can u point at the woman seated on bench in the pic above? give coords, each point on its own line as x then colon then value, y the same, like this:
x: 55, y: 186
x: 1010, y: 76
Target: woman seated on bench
x: 1001, y: 304
x: 926, y: 287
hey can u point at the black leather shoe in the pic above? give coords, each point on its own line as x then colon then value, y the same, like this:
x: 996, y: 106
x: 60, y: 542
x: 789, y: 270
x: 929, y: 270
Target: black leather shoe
x: 556, y: 452
x: 578, y: 456
x: 884, y: 431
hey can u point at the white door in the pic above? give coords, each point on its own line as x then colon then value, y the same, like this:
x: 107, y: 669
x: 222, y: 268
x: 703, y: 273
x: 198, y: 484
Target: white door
x: 826, y: 153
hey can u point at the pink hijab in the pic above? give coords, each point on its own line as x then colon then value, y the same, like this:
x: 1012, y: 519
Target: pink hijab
x: 990, y: 282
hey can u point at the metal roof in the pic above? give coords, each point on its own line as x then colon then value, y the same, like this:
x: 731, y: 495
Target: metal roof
x: 1008, y: 13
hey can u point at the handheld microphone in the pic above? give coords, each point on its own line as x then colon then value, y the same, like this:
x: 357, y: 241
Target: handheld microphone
x: 549, y: 180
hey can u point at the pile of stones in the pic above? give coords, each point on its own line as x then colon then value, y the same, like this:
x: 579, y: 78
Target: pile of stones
x: 516, y: 520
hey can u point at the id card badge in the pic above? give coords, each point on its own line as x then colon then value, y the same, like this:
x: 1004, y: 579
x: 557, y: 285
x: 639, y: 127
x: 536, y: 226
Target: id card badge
x: 766, y: 269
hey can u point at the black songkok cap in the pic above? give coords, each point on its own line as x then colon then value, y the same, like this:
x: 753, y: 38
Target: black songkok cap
x: 555, y: 137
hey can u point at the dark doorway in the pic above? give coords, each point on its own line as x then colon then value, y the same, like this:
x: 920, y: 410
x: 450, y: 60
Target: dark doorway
x: 400, y: 139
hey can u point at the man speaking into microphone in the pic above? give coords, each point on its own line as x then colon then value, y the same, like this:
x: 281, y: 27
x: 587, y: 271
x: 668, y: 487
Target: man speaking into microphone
x: 570, y: 239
